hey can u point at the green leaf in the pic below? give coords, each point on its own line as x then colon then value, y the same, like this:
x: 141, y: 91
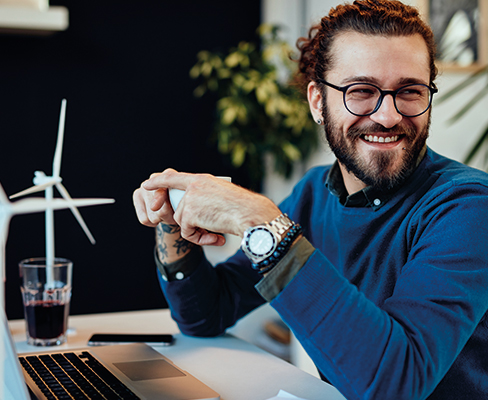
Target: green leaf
x: 238, y: 154
x: 199, y: 91
x: 291, y: 152
x: 238, y: 80
x: 224, y: 73
x: 216, y: 62
x: 228, y: 115
x: 212, y: 84
x: 242, y: 114
x: 477, y: 146
x: 469, y: 105
x: 232, y: 60
x: 203, y: 55
x: 206, y: 69
x: 271, y: 107
x: 195, y: 71
x: 224, y: 140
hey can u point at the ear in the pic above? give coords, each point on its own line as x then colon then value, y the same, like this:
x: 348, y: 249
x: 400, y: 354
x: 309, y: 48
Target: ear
x: 314, y: 97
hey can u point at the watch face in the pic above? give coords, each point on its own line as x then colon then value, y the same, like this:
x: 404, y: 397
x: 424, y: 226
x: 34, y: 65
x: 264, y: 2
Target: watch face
x: 261, y: 242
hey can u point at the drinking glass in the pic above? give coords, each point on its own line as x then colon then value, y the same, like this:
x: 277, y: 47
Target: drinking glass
x: 46, y: 293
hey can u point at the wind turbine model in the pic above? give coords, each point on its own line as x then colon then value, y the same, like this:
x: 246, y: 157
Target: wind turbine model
x: 7, y: 210
x: 27, y: 206
x: 46, y: 183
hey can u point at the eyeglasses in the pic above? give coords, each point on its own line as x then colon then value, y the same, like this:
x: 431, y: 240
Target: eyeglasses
x: 363, y: 99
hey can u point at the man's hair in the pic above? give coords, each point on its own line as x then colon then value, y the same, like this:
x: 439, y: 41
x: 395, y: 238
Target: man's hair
x: 369, y: 17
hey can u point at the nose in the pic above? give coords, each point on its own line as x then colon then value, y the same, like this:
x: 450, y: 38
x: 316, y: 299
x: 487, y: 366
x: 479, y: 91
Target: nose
x: 387, y: 115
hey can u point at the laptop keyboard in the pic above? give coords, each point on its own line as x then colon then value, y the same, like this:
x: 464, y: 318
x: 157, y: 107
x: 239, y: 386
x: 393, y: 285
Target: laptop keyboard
x: 72, y: 376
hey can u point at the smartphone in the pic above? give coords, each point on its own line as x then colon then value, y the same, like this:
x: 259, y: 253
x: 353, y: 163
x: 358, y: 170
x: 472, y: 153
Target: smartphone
x: 102, y: 339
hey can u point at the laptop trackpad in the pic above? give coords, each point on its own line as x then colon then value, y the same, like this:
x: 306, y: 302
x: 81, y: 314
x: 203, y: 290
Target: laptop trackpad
x: 150, y: 369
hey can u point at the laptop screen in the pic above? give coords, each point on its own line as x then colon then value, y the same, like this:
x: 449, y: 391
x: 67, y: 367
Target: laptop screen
x: 12, y: 384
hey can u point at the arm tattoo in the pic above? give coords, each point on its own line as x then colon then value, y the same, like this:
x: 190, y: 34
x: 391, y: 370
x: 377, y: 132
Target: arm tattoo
x: 162, y: 250
x: 181, y: 245
x: 168, y: 228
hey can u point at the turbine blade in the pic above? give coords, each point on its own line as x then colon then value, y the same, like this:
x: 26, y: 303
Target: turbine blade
x: 33, y: 189
x: 59, y: 143
x: 3, y: 196
x: 75, y: 212
x: 32, y: 205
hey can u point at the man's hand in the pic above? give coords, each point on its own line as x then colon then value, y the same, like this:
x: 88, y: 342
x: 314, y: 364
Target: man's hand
x: 153, y: 206
x: 209, y: 205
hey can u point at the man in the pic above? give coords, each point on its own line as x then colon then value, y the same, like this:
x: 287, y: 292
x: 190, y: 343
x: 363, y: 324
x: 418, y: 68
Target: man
x: 385, y: 282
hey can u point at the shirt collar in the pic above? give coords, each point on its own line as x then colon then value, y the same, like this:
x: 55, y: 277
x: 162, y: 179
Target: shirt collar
x: 367, y: 197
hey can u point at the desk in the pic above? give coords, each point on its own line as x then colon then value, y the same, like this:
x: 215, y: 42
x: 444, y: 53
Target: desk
x: 233, y: 367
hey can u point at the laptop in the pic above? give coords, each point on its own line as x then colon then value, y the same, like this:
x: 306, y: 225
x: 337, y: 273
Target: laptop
x: 131, y: 371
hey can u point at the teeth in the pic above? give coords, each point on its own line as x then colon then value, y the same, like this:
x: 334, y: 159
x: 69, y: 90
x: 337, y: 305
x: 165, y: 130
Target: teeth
x: 380, y: 139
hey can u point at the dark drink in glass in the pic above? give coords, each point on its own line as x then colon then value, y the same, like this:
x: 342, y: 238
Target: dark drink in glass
x: 46, y: 319
x: 46, y: 292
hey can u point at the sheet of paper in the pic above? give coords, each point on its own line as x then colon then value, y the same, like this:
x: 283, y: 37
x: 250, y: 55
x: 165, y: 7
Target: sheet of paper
x: 282, y: 395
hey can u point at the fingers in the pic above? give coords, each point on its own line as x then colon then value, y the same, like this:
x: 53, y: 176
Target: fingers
x: 169, y: 178
x: 157, y: 199
x: 209, y: 205
x: 152, y: 207
x: 202, y: 237
x: 140, y: 208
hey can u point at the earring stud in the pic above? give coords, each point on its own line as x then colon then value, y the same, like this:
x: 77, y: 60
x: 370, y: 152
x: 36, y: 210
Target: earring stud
x: 319, y: 121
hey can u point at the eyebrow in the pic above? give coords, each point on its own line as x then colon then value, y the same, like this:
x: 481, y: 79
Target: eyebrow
x: 373, y: 80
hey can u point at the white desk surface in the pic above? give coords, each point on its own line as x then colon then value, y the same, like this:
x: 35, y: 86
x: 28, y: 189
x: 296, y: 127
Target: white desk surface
x: 233, y: 367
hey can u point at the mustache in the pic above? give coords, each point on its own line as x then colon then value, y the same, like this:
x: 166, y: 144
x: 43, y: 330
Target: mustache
x: 355, y: 132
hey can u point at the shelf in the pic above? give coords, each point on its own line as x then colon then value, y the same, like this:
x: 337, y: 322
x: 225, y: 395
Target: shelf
x: 30, y: 21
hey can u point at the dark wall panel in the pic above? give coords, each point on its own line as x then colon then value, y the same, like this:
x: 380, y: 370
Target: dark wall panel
x: 123, y: 67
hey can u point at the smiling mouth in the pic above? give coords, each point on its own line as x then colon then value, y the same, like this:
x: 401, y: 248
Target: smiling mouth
x: 382, y: 139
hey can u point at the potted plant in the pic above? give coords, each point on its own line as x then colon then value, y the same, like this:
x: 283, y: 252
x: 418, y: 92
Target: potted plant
x: 258, y: 111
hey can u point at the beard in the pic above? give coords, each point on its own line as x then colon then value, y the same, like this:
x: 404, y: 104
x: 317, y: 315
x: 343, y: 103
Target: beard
x: 382, y: 170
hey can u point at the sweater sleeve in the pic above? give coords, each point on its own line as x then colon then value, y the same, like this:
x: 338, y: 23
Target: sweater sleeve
x: 212, y: 299
x: 404, y: 347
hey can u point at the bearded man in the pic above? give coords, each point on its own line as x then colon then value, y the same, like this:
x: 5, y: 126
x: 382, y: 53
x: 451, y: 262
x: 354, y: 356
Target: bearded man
x: 378, y: 263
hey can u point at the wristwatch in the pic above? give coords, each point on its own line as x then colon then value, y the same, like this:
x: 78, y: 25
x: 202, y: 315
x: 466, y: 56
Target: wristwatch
x: 262, y: 241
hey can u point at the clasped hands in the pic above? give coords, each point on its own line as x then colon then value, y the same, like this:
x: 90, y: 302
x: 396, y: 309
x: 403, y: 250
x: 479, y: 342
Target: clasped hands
x: 209, y: 205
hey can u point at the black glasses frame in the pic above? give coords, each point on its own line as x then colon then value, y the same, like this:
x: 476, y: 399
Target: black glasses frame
x: 383, y: 93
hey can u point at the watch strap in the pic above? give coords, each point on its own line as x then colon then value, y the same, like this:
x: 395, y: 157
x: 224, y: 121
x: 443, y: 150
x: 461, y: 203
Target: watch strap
x: 283, y: 246
x: 281, y: 224
x: 285, y: 232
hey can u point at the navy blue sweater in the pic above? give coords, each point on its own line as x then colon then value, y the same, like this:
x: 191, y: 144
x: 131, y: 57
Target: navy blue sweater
x: 391, y: 304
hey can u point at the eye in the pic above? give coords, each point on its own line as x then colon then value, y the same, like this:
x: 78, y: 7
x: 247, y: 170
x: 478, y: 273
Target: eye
x: 409, y: 91
x: 361, y: 92
x: 414, y: 92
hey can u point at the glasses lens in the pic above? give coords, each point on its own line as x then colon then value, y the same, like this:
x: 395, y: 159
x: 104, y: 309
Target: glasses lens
x: 361, y: 98
x: 413, y: 99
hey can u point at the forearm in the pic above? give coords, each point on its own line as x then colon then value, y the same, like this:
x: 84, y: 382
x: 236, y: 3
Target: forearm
x: 170, y: 246
x: 400, y: 347
x: 211, y: 299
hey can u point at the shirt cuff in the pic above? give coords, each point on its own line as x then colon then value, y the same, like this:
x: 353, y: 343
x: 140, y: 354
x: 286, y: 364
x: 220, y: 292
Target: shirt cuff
x: 182, y: 268
x: 283, y: 273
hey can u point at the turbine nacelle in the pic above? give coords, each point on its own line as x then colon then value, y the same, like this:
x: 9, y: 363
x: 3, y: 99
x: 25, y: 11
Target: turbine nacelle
x: 40, y: 178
